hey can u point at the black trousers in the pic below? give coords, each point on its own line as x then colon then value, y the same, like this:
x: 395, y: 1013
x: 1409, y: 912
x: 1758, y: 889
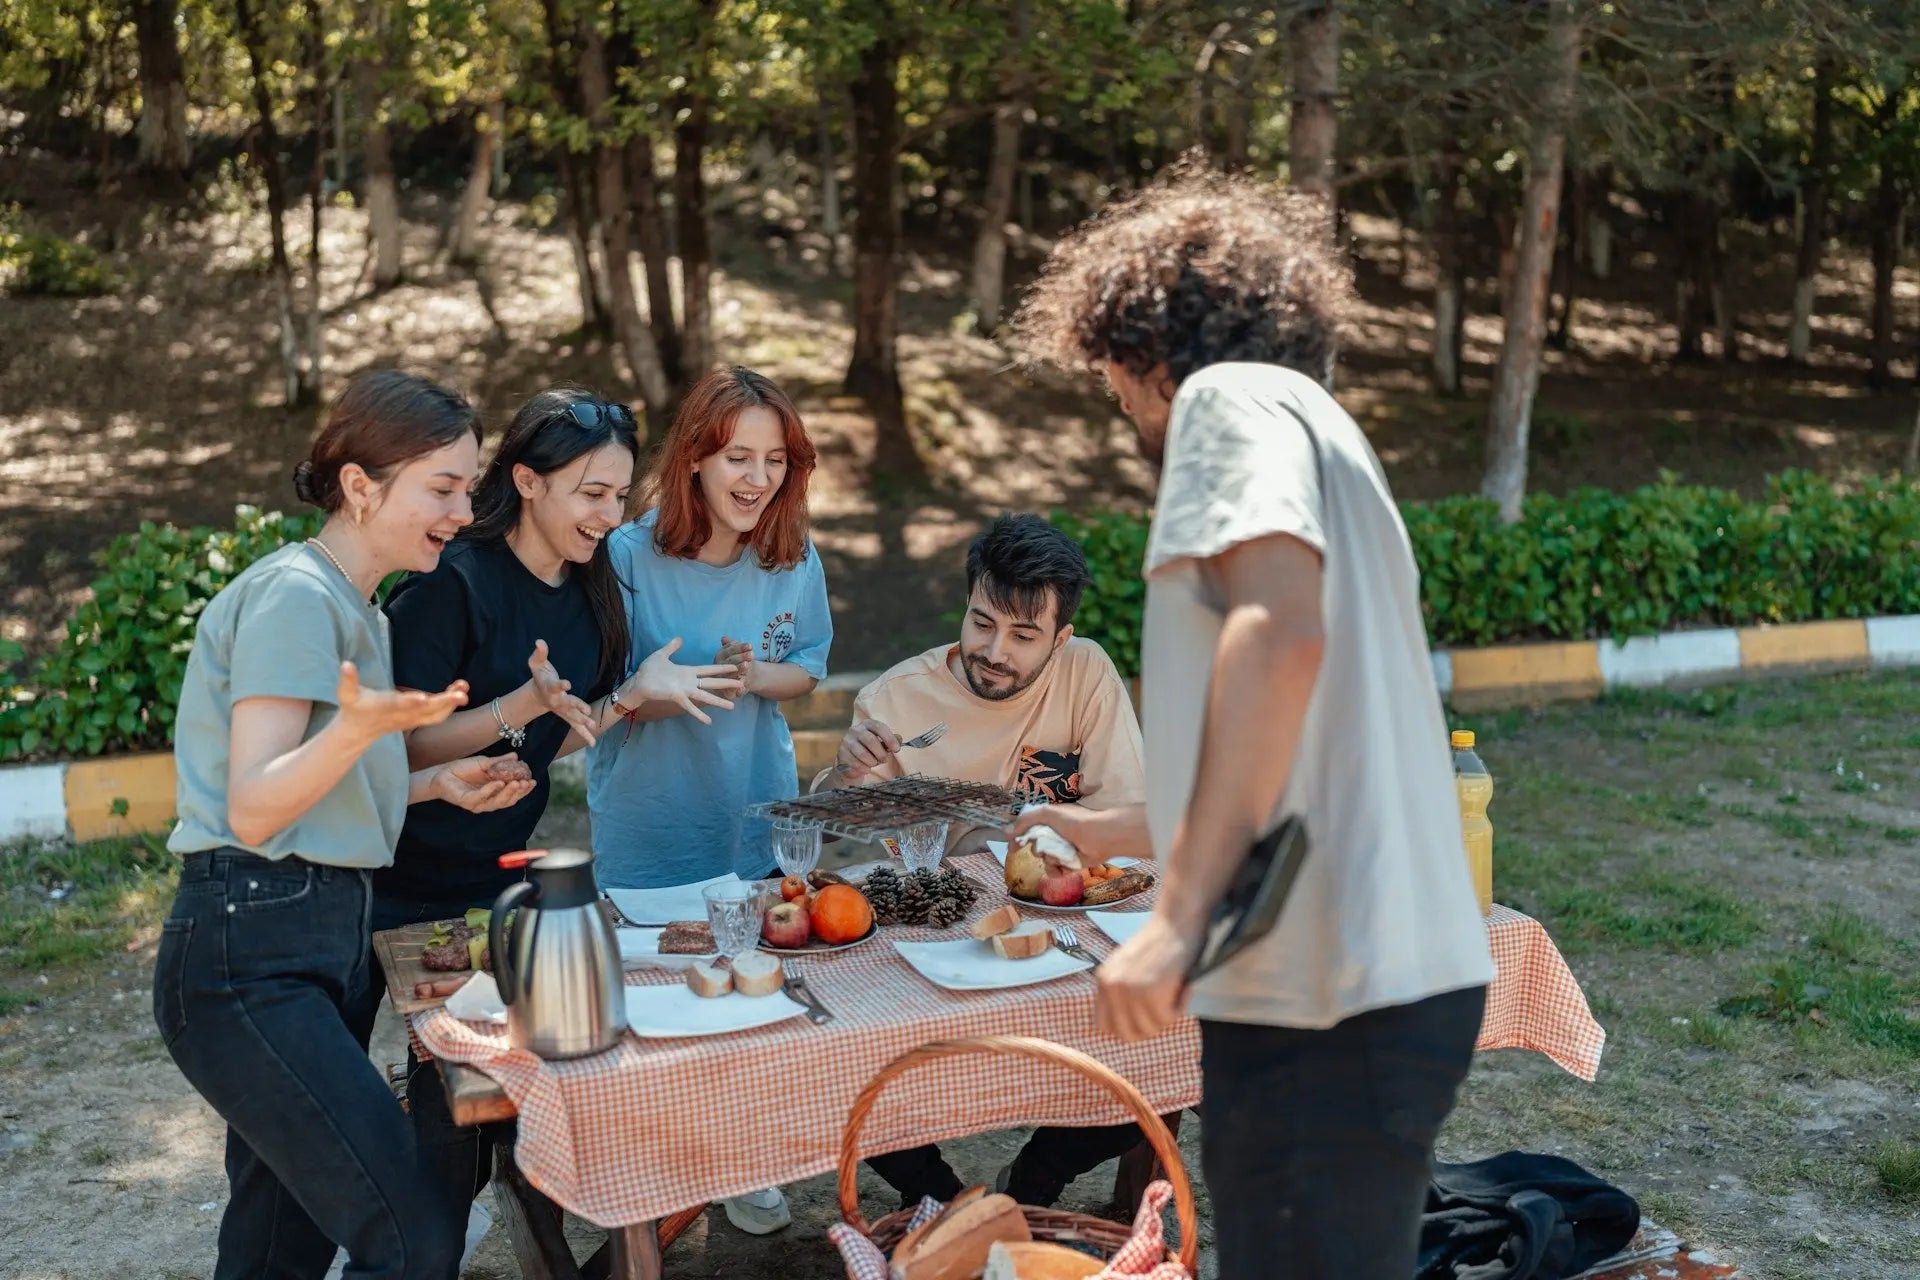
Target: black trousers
x: 1052, y: 1158
x: 261, y: 966
x: 1318, y: 1145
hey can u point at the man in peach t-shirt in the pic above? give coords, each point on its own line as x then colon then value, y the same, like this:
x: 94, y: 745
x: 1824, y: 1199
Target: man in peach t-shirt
x: 1030, y: 706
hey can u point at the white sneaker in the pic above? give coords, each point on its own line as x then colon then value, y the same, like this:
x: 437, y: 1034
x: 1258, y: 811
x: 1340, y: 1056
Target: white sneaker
x: 759, y: 1213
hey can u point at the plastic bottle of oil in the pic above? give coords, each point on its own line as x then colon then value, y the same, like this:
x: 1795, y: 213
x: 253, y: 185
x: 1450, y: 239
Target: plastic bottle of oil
x: 1475, y: 787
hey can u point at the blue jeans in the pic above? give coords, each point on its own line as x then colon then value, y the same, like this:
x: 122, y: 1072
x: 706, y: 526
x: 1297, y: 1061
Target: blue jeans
x: 260, y: 963
x: 1318, y: 1145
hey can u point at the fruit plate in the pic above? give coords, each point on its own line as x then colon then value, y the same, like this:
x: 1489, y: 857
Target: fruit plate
x: 819, y: 948
x: 998, y: 849
x: 970, y: 965
x: 670, y: 1012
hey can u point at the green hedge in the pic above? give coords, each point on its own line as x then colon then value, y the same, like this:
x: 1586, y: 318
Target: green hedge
x: 113, y: 682
x: 1597, y: 564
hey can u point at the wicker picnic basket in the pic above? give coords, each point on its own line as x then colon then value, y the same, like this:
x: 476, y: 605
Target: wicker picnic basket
x: 1098, y: 1235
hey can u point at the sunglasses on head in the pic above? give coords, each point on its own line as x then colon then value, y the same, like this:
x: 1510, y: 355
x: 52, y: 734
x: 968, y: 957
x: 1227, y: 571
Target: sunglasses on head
x: 590, y: 413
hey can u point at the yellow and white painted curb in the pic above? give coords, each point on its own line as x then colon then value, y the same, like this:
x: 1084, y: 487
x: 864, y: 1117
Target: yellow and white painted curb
x: 124, y: 795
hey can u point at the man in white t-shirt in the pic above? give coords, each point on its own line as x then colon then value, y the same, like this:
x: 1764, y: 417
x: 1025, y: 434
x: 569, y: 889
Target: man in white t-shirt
x: 1284, y: 671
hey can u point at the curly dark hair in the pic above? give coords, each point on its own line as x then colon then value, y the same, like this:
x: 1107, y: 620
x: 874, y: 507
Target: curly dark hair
x: 1198, y: 268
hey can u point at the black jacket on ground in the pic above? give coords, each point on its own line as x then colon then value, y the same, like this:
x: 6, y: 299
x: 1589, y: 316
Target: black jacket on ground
x: 1520, y: 1216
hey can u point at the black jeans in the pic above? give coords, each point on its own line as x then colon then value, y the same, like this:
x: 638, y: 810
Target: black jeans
x: 459, y: 1158
x: 1052, y: 1158
x: 1318, y: 1145
x: 259, y: 964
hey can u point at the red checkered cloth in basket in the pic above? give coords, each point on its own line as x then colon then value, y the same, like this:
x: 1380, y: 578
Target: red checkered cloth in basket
x: 653, y: 1126
x: 1142, y: 1257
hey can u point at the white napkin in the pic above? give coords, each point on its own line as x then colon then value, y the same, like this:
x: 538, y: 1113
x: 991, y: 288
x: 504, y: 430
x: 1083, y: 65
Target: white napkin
x: 478, y: 1001
x: 664, y: 906
x: 1120, y: 925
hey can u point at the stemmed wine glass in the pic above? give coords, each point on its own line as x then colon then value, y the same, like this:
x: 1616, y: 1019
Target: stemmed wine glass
x: 923, y: 845
x: 796, y: 847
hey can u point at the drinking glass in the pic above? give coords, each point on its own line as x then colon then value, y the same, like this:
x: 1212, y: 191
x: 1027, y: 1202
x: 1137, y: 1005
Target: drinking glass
x: 922, y: 846
x: 796, y: 847
x: 734, y: 911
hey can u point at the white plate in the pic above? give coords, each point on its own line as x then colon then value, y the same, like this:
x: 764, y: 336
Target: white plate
x: 640, y: 949
x: 664, y: 906
x: 969, y: 965
x: 998, y: 849
x: 1120, y: 925
x: 478, y: 1001
x: 667, y: 1013
x: 818, y: 948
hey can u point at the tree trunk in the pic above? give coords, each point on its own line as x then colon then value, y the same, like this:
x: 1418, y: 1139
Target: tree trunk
x: 694, y: 237
x: 1450, y: 284
x: 1313, y: 41
x: 630, y: 333
x: 1813, y: 217
x: 1693, y: 272
x: 1565, y: 286
x: 266, y: 154
x: 463, y: 246
x: 577, y: 213
x: 656, y: 254
x: 1003, y: 166
x: 163, y: 88
x: 316, y: 185
x: 829, y: 180
x: 1518, y: 375
x: 1911, y: 466
x: 1887, y: 208
x: 383, y: 195
x: 874, y: 371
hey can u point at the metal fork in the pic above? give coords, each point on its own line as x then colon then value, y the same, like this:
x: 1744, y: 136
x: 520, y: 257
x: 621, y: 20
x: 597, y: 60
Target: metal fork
x: 928, y: 738
x: 796, y: 988
x: 1068, y: 941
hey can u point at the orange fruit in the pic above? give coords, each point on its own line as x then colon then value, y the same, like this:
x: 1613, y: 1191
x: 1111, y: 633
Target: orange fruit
x: 841, y: 913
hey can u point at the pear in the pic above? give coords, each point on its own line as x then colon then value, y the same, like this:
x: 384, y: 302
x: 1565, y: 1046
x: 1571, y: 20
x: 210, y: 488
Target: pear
x: 1025, y: 870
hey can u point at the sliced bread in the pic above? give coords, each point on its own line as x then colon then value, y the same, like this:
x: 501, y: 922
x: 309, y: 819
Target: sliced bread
x: 997, y: 922
x: 758, y: 974
x: 1024, y: 943
x: 709, y: 980
x: 955, y: 1245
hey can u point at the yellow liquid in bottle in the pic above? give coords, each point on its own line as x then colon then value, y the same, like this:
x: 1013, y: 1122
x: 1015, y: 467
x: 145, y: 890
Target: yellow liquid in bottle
x: 1476, y: 793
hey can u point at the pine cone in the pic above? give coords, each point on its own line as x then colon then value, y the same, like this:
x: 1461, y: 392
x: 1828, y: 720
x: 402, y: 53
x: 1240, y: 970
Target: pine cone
x: 958, y: 886
x: 946, y: 912
x: 883, y: 889
x: 917, y: 897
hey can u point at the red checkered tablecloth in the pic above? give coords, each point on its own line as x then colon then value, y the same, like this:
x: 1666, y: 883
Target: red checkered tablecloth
x: 653, y: 1126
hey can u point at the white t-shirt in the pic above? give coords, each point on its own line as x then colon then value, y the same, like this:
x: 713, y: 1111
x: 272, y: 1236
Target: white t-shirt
x: 1383, y: 912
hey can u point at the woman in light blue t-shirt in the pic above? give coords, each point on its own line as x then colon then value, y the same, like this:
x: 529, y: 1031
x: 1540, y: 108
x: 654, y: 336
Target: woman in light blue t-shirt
x: 722, y: 561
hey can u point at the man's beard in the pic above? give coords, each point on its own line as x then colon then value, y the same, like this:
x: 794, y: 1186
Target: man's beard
x: 1018, y: 686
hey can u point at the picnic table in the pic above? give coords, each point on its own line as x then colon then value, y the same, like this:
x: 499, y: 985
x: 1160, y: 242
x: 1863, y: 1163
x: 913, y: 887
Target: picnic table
x: 643, y: 1131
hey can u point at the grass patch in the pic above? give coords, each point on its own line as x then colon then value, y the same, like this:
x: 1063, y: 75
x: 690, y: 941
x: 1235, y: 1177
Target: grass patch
x: 1819, y: 995
x: 1897, y: 1165
x: 65, y: 906
x: 1901, y: 835
x: 1653, y: 910
x: 97, y: 1155
x: 12, y: 1002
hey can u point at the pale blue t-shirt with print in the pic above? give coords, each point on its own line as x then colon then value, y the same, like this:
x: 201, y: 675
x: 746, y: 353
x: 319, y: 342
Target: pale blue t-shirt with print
x: 668, y: 800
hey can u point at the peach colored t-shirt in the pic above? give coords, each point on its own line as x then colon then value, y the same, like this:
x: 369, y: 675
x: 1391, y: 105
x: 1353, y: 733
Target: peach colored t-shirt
x: 1070, y: 737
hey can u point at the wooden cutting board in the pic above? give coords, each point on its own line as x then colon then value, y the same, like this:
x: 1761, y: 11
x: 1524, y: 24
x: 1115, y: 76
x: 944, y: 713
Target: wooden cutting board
x: 399, y: 950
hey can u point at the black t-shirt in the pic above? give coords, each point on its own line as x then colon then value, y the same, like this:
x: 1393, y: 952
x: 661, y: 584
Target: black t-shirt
x: 476, y: 618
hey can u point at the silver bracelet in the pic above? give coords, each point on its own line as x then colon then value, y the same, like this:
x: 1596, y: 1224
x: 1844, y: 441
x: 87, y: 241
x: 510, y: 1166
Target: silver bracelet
x: 518, y: 737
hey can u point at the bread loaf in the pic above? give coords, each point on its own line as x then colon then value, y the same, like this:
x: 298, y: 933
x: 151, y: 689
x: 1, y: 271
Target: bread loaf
x: 709, y: 980
x: 758, y: 974
x: 1023, y: 943
x: 995, y: 923
x: 910, y: 1241
x: 956, y: 1244
x: 1037, y: 1260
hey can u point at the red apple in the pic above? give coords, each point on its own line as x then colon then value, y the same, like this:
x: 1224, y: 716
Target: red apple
x: 786, y: 927
x: 793, y: 889
x: 1061, y: 886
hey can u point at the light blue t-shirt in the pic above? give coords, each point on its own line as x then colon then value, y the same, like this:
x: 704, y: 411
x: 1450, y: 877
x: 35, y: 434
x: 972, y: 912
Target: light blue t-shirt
x: 668, y: 802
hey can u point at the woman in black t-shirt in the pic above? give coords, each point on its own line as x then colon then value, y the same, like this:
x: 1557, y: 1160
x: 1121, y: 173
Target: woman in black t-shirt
x: 525, y: 608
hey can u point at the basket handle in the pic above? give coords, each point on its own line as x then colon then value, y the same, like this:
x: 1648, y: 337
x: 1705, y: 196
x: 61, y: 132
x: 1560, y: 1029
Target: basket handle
x: 1155, y: 1129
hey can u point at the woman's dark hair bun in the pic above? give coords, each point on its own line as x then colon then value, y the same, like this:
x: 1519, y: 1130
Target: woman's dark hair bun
x: 304, y: 487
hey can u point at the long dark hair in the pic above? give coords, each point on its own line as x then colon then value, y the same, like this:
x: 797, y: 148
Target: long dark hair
x: 544, y: 437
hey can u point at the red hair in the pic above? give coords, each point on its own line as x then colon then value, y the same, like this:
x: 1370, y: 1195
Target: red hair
x: 702, y: 428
